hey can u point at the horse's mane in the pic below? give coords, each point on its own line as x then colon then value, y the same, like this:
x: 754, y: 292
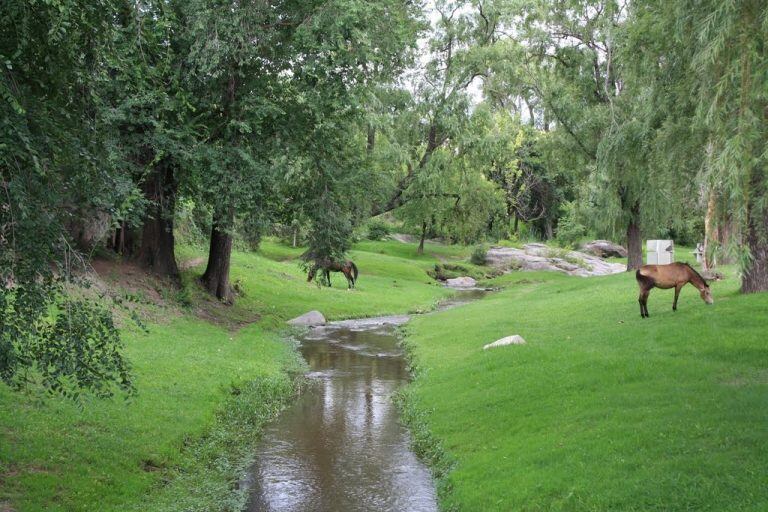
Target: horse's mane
x: 696, y: 273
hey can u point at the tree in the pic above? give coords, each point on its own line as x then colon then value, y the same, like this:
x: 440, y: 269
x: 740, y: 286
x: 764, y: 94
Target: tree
x: 429, y: 192
x: 731, y: 85
x: 571, y: 71
x: 236, y: 58
x: 706, y: 79
x: 55, y: 164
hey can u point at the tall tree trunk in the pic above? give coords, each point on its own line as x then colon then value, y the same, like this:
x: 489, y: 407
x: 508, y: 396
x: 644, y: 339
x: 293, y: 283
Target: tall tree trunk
x: 216, y: 276
x: 710, y: 233
x: 549, y: 232
x: 634, y: 240
x: 420, y: 250
x: 122, y: 240
x: 156, y: 251
x: 755, y: 277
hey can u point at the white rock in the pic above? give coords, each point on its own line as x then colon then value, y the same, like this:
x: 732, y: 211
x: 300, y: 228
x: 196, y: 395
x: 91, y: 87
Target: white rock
x: 515, y: 339
x: 311, y: 319
x: 461, y: 282
x: 541, y: 257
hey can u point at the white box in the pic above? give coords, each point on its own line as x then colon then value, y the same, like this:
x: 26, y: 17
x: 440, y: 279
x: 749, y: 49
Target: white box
x: 660, y: 252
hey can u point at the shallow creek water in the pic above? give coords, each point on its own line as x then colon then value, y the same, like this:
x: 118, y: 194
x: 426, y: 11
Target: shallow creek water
x: 341, y: 446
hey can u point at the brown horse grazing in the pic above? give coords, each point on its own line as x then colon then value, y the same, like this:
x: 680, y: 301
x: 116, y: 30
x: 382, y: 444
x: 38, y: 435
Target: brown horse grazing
x: 348, y: 268
x: 674, y: 275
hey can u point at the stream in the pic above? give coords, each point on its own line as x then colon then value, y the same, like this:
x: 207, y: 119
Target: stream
x: 341, y: 446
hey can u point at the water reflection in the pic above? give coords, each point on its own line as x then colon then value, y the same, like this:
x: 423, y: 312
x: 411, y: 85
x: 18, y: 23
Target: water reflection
x: 340, y: 447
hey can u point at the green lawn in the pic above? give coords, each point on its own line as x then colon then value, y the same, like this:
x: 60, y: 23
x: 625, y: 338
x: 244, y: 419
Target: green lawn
x: 601, y: 410
x: 113, y: 455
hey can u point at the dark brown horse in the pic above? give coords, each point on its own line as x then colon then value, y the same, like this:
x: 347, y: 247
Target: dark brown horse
x: 674, y: 275
x: 348, y: 268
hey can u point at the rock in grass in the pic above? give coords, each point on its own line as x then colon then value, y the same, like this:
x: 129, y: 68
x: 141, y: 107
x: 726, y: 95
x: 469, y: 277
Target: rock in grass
x: 604, y: 249
x: 311, y: 319
x: 461, y: 282
x: 515, y: 339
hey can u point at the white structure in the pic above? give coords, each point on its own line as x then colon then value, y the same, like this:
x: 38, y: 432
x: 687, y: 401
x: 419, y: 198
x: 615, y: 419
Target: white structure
x: 699, y: 252
x: 660, y: 252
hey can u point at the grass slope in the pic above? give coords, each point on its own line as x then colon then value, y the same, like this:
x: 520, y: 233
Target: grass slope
x: 200, y: 386
x: 601, y: 410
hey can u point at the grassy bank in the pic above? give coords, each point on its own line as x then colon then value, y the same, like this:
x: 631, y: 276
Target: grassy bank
x: 205, y: 387
x: 600, y: 410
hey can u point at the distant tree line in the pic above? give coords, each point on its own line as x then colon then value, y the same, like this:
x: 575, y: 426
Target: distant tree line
x: 607, y: 118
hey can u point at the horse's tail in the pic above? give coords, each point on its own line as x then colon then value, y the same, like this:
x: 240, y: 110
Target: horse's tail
x: 354, y: 270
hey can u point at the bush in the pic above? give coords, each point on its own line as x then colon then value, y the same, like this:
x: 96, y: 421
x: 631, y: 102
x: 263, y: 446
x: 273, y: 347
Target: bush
x: 569, y: 230
x: 478, y: 255
x: 377, y: 230
x: 443, y: 271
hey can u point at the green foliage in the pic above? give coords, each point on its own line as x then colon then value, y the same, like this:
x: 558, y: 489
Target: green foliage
x: 100, y: 99
x: 57, y: 169
x: 377, y: 230
x: 710, y: 92
x: 443, y: 271
x: 66, y: 344
x: 569, y: 229
x: 649, y: 106
x: 192, y: 223
x: 478, y: 255
x: 331, y: 234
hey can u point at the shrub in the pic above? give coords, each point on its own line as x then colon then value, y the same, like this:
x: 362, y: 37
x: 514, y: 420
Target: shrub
x: 478, y: 255
x: 443, y: 271
x: 377, y: 230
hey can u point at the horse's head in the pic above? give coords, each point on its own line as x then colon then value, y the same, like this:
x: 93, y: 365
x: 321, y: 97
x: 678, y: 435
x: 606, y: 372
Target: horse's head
x: 312, y: 273
x: 706, y: 294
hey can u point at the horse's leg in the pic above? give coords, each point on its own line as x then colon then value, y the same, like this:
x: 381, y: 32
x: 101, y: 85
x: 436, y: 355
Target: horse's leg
x: 677, y: 294
x: 328, y: 278
x: 643, y: 301
x: 644, y: 298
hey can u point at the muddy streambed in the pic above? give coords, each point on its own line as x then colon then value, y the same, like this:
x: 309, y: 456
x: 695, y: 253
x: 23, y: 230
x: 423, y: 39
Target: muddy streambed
x: 341, y: 445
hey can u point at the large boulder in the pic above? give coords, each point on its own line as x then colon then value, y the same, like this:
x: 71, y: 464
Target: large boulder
x: 604, y: 249
x: 515, y: 339
x: 541, y: 257
x: 461, y: 282
x: 311, y: 319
